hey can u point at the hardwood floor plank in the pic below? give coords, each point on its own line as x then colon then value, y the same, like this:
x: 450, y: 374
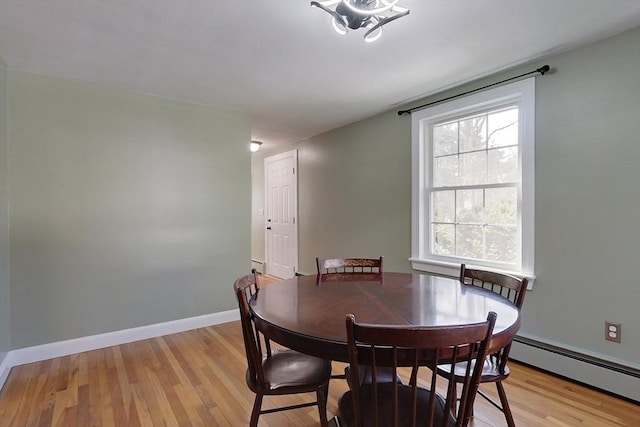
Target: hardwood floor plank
x: 48, y: 402
x: 106, y: 406
x: 139, y: 407
x: 157, y: 393
x: 144, y: 392
x: 123, y: 381
x: 221, y: 420
x: 119, y: 396
x: 62, y: 374
x: 218, y: 389
x: 83, y: 416
x: 128, y: 357
x: 185, y: 390
x: 175, y: 344
x: 18, y: 393
x: 37, y: 393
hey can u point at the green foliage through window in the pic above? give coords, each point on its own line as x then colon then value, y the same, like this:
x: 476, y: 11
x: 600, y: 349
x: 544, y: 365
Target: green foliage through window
x: 474, y: 192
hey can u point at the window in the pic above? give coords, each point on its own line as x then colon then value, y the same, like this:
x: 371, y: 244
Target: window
x: 473, y: 182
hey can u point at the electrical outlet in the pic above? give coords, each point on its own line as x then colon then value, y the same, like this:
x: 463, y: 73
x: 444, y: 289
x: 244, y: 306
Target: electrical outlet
x: 613, y: 331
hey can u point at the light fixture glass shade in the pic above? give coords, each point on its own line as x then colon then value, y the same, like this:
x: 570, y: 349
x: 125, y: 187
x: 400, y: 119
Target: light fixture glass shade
x: 372, y: 7
x: 255, y: 146
x: 339, y: 26
x: 371, y: 15
x: 374, y: 32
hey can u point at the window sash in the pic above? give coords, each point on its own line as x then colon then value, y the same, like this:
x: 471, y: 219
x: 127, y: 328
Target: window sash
x: 484, y: 223
x: 520, y: 94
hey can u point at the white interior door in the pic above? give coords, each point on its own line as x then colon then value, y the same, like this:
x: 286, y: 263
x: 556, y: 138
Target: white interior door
x: 281, y: 228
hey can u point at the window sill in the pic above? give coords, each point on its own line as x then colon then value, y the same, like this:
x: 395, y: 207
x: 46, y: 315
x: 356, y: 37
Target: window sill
x: 453, y: 269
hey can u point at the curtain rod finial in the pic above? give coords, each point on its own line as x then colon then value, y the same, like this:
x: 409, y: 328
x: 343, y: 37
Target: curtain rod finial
x: 544, y: 69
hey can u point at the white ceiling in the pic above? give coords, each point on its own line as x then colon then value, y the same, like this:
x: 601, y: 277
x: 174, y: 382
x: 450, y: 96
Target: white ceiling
x: 281, y: 61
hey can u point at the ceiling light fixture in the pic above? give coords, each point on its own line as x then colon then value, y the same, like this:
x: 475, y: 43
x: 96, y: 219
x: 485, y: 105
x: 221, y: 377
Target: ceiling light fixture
x: 368, y: 14
x: 255, y: 146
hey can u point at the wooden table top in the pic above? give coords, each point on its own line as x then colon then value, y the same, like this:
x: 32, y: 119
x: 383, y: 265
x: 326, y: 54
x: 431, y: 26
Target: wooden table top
x: 309, y: 317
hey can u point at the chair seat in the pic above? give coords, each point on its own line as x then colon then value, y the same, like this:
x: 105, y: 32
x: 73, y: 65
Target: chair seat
x: 490, y: 371
x: 383, y: 375
x: 384, y: 407
x: 288, y: 371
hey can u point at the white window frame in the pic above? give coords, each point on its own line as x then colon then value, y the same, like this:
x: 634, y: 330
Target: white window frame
x: 520, y: 93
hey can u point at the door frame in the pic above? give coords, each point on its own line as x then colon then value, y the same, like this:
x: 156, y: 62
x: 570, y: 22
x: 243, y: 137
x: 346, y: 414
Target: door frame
x: 267, y: 256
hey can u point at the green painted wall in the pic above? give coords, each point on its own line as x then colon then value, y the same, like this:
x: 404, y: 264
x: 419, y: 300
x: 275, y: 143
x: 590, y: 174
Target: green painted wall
x: 355, y: 195
x: 354, y: 188
x: 125, y: 210
x: 5, y: 329
x: 588, y: 199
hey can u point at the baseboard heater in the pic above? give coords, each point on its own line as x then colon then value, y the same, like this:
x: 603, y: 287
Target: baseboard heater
x: 604, y: 375
x: 602, y: 363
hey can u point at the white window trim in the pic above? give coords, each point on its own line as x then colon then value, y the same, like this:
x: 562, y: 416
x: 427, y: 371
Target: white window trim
x: 522, y: 93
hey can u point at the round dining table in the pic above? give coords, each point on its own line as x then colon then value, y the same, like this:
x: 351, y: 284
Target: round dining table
x: 307, y: 313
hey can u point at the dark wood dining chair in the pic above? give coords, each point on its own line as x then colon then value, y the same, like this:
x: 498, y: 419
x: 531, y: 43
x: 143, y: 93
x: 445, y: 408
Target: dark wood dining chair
x: 278, y: 372
x: 330, y: 269
x: 494, y: 369
x: 421, y: 348
x: 340, y: 266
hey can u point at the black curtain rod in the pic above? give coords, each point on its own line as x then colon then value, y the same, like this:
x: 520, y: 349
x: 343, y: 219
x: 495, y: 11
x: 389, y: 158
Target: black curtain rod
x: 542, y: 70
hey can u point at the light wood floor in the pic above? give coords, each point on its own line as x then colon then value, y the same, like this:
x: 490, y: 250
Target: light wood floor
x: 197, y: 378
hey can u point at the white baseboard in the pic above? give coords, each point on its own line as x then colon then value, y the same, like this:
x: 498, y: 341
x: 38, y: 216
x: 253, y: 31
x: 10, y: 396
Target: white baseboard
x: 5, y: 368
x: 78, y: 345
